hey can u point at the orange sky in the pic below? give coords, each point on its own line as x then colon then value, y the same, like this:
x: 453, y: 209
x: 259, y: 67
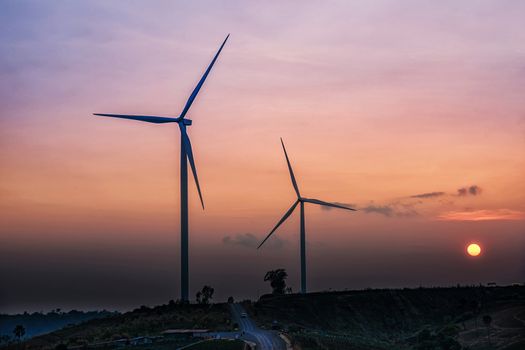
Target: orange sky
x: 376, y: 103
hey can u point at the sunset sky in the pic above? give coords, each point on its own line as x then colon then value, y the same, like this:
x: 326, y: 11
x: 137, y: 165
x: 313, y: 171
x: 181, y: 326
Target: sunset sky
x: 411, y: 111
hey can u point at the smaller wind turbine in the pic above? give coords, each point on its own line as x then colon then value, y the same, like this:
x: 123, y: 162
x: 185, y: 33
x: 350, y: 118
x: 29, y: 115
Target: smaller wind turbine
x: 300, y: 200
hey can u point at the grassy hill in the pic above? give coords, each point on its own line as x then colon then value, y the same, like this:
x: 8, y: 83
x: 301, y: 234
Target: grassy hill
x: 140, y: 322
x: 416, y: 319
x: 423, y: 318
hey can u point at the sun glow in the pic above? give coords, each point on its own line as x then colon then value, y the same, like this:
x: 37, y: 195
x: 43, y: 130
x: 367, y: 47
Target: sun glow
x: 473, y: 249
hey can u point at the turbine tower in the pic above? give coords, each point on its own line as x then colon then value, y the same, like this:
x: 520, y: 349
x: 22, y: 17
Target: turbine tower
x: 300, y: 200
x: 186, y: 155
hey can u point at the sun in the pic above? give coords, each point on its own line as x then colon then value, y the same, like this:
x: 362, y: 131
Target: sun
x: 473, y: 249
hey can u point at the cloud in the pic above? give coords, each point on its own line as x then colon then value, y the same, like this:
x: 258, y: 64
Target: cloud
x: 405, y: 207
x: 249, y: 240
x: 398, y: 209
x: 482, y: 215
x: 428, y: 195
x: 409, y: 213
x: 385, y: 210
x: 473, y: 190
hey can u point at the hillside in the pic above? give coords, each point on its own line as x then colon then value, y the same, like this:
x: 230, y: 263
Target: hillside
x: 416, y: 319
x: 423, y: 318
x: 144, y: 321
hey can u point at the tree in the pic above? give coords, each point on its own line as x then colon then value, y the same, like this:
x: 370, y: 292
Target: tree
x: 487, y: 320
x: 277, y: 280
x: 230, y: 300
x: 203, y: 297
x: 19, y: 331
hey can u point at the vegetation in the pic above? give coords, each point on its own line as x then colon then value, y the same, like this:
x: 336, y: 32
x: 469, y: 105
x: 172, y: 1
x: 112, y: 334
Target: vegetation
x: 406, y: 319
x: 203, y: 297
x: 422, y: 318
x: 277, y: 279
x: 19, y: 332
x: 144, y: 321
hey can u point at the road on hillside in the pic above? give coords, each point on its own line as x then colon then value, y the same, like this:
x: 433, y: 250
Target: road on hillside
x: 265, y: 340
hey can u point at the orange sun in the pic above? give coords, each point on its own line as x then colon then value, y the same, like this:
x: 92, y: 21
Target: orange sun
x: 473, y: 249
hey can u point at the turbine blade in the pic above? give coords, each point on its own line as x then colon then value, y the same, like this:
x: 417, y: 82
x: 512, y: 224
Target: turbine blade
x: 326, y: 204
x: 189, y: 153
x: 286, y: 215
x: 144, y: 118
x: 201, y: 82
x: 294, y: 183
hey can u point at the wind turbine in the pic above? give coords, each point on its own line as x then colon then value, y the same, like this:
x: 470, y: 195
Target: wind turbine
x: 186, y: 155
x: 300, y: 200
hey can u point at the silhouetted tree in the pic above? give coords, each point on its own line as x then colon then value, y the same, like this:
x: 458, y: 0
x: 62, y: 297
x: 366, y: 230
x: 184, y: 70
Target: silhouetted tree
x: 19, y: 332
x: 230, y: 300
x: 203, y: 297
x: 277, y: 280
x: 487, y: 320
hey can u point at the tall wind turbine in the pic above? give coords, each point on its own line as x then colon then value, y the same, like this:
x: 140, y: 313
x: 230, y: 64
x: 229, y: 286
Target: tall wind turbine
x: 300, y: 200
x: 186, y: 155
